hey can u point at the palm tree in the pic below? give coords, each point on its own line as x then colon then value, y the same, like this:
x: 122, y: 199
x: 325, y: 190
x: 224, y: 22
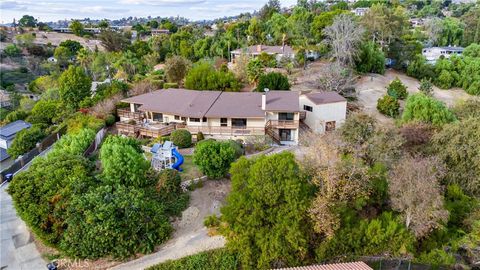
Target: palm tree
x: 84, y: 58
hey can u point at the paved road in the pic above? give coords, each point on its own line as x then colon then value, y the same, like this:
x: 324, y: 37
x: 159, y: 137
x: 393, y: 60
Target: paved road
x: 17, y: 248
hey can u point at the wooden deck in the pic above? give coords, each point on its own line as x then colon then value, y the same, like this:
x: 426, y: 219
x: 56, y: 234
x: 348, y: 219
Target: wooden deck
x: 227, y: 131
x: 138, y: 130
x: 126, y: 113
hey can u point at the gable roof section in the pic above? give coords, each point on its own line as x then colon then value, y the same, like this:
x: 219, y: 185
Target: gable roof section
x: 334, y: 266
x: 176, y: 101
x: 243, y: 104
x: 282, y: 101
x: 325, y: 97
x: 9, y: 131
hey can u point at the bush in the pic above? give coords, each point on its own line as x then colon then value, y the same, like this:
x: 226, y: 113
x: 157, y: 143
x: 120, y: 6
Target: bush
x: 74, y: 143
x: 397, y: 89
x: 80, y: 121
x: 110, y: 120
x: 436, y: 258
x: 214, y: 157
x: 114, y: 221
x: 45, y: 112
x: 219, y: 259
x: 211, y: 221
x: 16, y: 115
x: 170, y: 85
x: 200, y: 136
x: 169, y: 182
x: 388, y: 105
x: 203, y: 76
x: 426, y: 87
x: 420, y: 107
x: 383, y: 235
x: 445, y: 80
x: 181, y: 138
x: 42, y: 193
x: 273, y: 81
x: 12, y: 50
x: 370, y: 59
x: 26, y: 140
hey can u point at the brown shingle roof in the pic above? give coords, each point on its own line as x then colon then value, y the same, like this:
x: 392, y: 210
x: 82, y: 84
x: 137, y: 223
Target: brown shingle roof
x: 334, y: 266
x: 264, y: 48
x: 177, y: 102
x: 282, y: 101
x: 325, y: 97
x: 192, y: 103
x: 245, y: 104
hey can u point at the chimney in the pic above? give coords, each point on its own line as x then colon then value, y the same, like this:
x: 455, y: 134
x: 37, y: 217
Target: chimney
x: 259, y: 48
x: 264, y: 99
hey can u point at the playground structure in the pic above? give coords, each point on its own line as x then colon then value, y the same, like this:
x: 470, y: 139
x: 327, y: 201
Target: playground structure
x: 166, y: 156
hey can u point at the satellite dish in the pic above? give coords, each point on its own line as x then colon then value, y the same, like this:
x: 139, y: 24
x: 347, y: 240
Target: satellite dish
x: 266, y: 90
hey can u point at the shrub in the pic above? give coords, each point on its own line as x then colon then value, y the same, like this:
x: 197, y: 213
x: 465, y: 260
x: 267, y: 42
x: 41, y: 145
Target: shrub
x: 370, y: 59
x: 26, y: 140
x: 219, y: 259
x: 170, y: 85
x: 426, y: 87
x: 80, y: 121
x: 114, y: 221
x: 388, y: 105
x: 16, y: 115
x: 397, y: 89
x: 42, y: 193
x: 273, y: 81
x: 436, y: 258
x: 467, y: 108
x: 211, y: 221
x: 122, y: 163
x: 110, y: 120
x: 169, y: 182
x: 445, y: 80
x: 385, y: 235
x: 200, y: 136
x: 74, y: 143
x: 203, y: 76
x: 12, y: 50
x: 45, y: 112
x: 214, y: 157
x: 420, y: 107
x: 181, y: 138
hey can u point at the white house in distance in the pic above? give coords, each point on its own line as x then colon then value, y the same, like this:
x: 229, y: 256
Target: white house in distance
x: 360, y: 11
x: 256, y: 50
x: 231, y: 115
x: 432, y: 54
x: 325, y: 111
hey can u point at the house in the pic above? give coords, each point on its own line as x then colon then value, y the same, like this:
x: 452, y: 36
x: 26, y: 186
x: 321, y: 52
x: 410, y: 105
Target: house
x: 8, y: 133
x: 416, y: 22
x: 156, y: 32
x: 333, y: 266
x: 5, y: 101
x: 361, y: 11
x: 256, y: 50
x: 432, y: 54
x: 222, y: 115
x: 325, y: 111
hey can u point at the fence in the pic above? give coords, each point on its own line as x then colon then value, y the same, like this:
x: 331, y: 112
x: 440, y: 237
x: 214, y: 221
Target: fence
x: 27, y: 157
x: 96, y: 143
x: 381, y: 263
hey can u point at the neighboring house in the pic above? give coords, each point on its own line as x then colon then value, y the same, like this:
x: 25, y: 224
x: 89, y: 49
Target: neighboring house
x: 360, y: 11
x: 156, y: 32
x: 432, y: 54
x: 95, y: 85
x: 325, y: 111
x: 8, y: 133
x: 5, y: 101
x: 256, y: 50
x: 333, y: 266
x: 222, y: 115
x: 416, y: 22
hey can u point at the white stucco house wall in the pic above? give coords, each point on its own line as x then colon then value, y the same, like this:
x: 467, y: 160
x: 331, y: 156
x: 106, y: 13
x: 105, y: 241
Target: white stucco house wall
x: 325, y: 111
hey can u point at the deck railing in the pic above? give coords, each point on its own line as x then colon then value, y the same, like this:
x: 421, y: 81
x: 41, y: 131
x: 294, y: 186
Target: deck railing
x: 126, y: 113
x: 230, y: 131
x: 284, y: 123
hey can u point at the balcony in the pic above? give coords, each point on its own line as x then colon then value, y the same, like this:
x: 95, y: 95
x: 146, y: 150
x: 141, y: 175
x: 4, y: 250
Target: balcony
x: 287, y: 124
x: 126, y: 113
x: 228, y: 131
x: 148, y: 130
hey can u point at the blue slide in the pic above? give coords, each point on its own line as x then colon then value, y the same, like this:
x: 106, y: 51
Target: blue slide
x: 179, y: 160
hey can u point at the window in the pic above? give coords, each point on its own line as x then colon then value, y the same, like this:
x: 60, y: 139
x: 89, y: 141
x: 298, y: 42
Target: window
x: 177, y: 117
x: 136, y: 106
x: 308, y: 108
x: 157, y: 117
x: 194, y: 119
x: 330, y: 126
x: 239, y: 122
x: 285, y: 116
x: 285, y: 135
x: 184, y: 118
x: 223, y: 122
x: 204, y: 119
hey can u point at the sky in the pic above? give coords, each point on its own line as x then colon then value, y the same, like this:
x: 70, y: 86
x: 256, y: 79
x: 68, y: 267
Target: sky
x: 54, y: 10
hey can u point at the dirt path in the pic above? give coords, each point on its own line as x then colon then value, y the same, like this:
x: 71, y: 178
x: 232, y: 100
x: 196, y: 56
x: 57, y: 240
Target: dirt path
x: 190, y: 235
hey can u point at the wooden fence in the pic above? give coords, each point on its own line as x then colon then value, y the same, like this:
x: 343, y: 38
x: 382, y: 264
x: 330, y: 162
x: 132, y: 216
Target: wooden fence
x: 96, y: 143
x: 27, y: 157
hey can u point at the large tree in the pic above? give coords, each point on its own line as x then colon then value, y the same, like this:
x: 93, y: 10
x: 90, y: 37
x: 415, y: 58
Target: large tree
x: 27, y: 21
x: 266, y: 212
x: 74, y: 86
x: 113, y: 41
x: 176, y: 68
x: 344, y: 37
x: 414, y: 188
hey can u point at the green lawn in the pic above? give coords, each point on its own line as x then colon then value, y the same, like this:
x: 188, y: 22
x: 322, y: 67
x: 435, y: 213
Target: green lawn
x: 190, y: 170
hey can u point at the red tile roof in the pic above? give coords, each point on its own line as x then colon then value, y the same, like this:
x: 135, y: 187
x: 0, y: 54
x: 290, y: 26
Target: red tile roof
x: 334, y: 266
